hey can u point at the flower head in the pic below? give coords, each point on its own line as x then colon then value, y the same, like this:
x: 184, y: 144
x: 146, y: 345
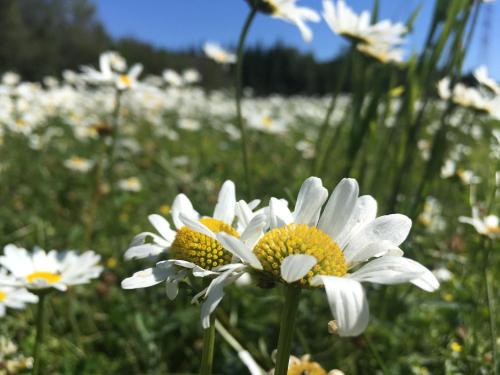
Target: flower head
x: 310, y: 247
x: 379, y: 40
x: 288, y: 11
x: 55, y: 269
x: 13, y: 296
x: 487, y: 226
x: 193, y: 247
x: 218, y: 54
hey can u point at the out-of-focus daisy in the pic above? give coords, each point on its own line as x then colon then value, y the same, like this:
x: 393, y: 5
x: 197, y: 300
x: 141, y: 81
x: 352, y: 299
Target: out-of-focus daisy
x: 189, y: 124
x: 11, y: 360
x: 126, y: 81
x: 481, y: 74
x: 288, y: 11
x: 112, y: 72
x: 218, y: 54
x: 487, y: 226
x: 131, y: 184
x: 191, y: 76
x: 383, y: 53
x: 442, y: 274
x: 172, y: 78
x: 193, y: 247
x: 12, y: 296
x: 55, y: 269
x: 379, y: 40
x: 304, y: 365
x: 308, y: 248
x: 10, y: 79
x: 79, y: 164
x: 471, y: 97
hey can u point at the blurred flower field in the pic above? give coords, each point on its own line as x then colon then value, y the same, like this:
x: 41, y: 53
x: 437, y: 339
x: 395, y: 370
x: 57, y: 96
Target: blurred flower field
x: 122, y: 171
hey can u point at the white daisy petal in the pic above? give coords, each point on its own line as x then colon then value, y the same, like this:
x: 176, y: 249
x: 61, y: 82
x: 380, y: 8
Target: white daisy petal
x: 364, y: 211
x: 239, y: 249
x: 146, y: 278
x: 279, y: 213
x: 295, y: 267
x: 339, y: 208
x: 348, y: 303
x: 143, y: 251
x: 182, y: 204
x: 254, y: 230
x: 196, y: 226
x: 311, y: 197
x: 225, y: 207
x: 393, y: 228
x: 395, y: 270
x: 374, y: 249
x: 162, y: 226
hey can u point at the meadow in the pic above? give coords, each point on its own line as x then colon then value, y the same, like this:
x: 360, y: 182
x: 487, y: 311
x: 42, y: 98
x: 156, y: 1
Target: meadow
x: 87, y: 156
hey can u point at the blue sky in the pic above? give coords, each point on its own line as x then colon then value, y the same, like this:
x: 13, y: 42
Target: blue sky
x: 178, y: 24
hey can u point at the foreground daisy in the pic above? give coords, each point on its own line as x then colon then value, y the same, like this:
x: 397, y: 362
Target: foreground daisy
x: 309, y: 248
x: 55, y: 269
x: 11, y: 296
x: 288, y: 11
x: 192, y: 247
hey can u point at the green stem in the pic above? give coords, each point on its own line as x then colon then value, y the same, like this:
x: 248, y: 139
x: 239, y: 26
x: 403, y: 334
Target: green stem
x: 40, y: 330
x: 287, y: 328
x: 115, y: 120
x: 238, y: 87
x: 491, y: 313
x: 207, y: 357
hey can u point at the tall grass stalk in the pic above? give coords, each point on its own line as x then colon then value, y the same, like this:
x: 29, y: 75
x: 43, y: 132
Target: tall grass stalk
x: 238, y: 94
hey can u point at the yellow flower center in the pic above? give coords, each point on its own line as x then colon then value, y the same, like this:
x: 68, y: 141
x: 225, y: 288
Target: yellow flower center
x: 48, y: 277
x: 3, y: 295
x: 306, y: 368
x: 201, y: 249
x: 267, y: 121
x: 292, y: 239
x: 125, y: 79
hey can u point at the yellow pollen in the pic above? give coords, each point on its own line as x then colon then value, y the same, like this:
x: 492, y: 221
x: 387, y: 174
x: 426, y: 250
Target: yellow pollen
x: 306, y: 368
x: 49, y: 277
x: 125, y: 80
x: 201, y: 249
x: 3, y: 295
x: 267, y: 121
x: 292, y: 239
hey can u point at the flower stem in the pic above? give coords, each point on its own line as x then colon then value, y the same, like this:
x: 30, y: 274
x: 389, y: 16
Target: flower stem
x: 40, y: 330
x: 287, y: 328
x: 207, y: 357
x: 491, y: 312
x: 115, y: 120
x: 238, y: 87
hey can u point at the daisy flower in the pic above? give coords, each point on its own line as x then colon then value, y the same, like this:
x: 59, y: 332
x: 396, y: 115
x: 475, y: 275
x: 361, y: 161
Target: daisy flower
x: 13, y: 296
x: 55, y: 269
x: 288, y: 11
x: 79, y: 164
x: 379, y: 40
x: 219, y: 54
x: 487, y: 226
x: 132, y: 184
x: 304, y: 365
x: 192, y: 247
x: 343, y: 21
x: 309, y: 248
